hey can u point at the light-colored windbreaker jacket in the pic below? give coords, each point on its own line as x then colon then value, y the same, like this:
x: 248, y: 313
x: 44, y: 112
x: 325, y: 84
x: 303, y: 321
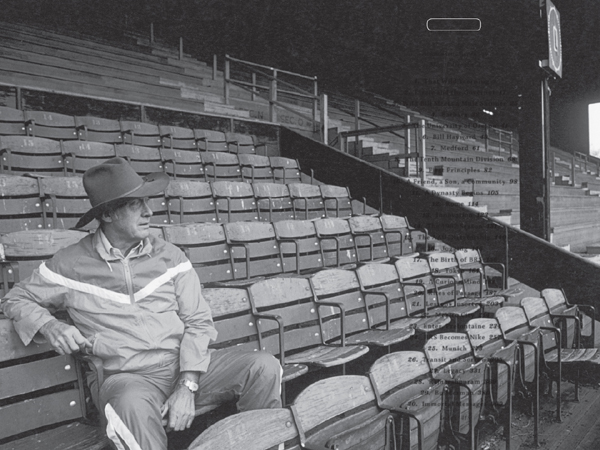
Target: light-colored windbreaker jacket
x: 141, y: 313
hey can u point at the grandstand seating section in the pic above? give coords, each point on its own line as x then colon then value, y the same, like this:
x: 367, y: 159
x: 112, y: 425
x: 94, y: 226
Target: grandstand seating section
x: 294, y: 268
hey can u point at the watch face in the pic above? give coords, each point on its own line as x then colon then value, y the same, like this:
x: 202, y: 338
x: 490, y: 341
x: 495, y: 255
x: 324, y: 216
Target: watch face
x: 190, y: 385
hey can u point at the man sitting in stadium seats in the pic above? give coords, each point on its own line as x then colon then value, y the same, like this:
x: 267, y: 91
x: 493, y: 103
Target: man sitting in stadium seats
x: 135, y: 302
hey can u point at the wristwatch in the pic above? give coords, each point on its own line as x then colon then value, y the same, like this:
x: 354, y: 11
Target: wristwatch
x: 193, y: 387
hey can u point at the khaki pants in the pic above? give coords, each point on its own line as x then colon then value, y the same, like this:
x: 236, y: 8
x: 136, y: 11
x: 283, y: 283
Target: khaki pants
x: 132, y: 402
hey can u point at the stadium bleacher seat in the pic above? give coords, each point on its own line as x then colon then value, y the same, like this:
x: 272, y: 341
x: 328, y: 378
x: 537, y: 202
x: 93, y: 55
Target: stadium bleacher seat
x: 211, y: 140
x: 50, y: 125
x: 337, y: 201
x: 140, y: 134
x: 289, y: 323
x: 182, y: 164
x: 82, y: 155
x: 255, y: 168
x: 97, y: 129
x: 307, y: 201
x: 369, y: 239
x: 221, y: 166
x: 144, y: 160
x: 64, y: 201
x: 337, y: 242
x: 357, y: 424
x: 21, y: 207
x: 12, y: 122
x: 177, y: 138
x: 273, y: 202
x: 22, y: 154
x: 348, y: 309
x: 234, y: 201
x: 299, y: 244
x: 557, y: 304
x: 398, y: 235
x: 285, y: 170
x: 403, y: 384
x: 241, y: 143
x: 190, y: 201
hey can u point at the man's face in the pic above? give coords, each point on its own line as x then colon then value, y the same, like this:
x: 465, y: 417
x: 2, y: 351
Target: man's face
x: 131, y: 223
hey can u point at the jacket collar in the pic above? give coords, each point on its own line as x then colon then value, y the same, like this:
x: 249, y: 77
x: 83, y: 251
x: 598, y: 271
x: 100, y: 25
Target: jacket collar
x: 109, y: 253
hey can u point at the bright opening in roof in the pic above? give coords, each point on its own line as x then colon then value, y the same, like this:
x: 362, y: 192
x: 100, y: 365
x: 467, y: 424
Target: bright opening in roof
x: 594, y: 127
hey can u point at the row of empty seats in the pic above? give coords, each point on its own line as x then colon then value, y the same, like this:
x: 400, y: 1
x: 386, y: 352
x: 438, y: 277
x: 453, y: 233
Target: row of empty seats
x: 34, y: 202
x: 23, y: 154
x: 63, y: 127
x: 423, y: 398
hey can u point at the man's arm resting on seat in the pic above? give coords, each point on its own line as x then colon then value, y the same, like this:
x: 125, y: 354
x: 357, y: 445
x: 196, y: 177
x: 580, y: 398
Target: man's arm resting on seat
x: 180, y: 406
x: 64, y: 338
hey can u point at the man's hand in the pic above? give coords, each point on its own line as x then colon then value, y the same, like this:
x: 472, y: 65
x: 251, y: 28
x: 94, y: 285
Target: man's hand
x: 179, y: 408
x: 65, y: 338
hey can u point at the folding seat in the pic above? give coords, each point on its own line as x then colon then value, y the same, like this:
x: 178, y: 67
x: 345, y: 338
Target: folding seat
x: 236, y: 326
x: 144, y: 160
x: 451, y: 359
x: 475, y: 276
x: 234, y: 201
x: 206, y: 247
x: 552, y: 355
x: 451, y: 284
x: 255, y: 168
x: 50, y: 125
x: 299, y: 245
x: 348, y: 309
x: 574, y: 324
x: 20, y: 204
x: 242, y: 143
x: 251, y: 430
x: 22, y: 154
x: 12, y: 122
x: 177, y: 138
x: 487, y: 341
x: 64, y: 201
x: 285, y: 170
x: 307, y: 201
x: 79, y: 156
x: 403, y: 384
x: 398, y: 235
x: 211, y: 141
x: 337, y: 243
x: 369, y: 238
x: 273, y: 202
x: 288, y: 323
x: 338, y: 412
x: 337, y: 200
x: 140, y: 134
x: 394, y: 305
x: 221, y: 166
x: 254, y: 250
x: 414, y: 273
x: 182, y: 164
x: 97, y: 129
x: 189, y: 202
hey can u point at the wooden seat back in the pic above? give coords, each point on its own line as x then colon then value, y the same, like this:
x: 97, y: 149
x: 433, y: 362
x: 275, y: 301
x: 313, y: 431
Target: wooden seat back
x: 397, y: 235
x: 299, y: 244
x: 240, y: 143
x: 514, y: 326
x: 20, y: 154
x: 255, y: 168
x: 50, y: 125
x: 252, y: 430
x: 140, y: 134
x: 285, y: 170
x: 538, y: 315
x: 234, y: 201
x: 451, y: 358
x: 417, y: 282
x: 273, y: 202
x: 21, y: 207
x: 445, y: 264
x: 221, y: 166
x: 369, y: 238
x: 337, y: 200
x: 339, y: 406
x: 12, y: 121
x: 306, y: 201
x: 97, y: 129
x: 557, y: 304
x: 254, y: 249
x: 144, y: 160
x: 211, y: 140
x: 64, y: 201
x: 177, y: 138
x: 190, y: 201
x: 81, y: 155
x: 182, y: 163
x: 337, y: 243
x: 403, y: 380
x: 206, y: 247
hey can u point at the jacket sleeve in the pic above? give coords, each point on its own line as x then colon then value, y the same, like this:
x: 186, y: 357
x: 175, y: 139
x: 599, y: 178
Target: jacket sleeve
x: 30, y: 304
x: 196, y: 316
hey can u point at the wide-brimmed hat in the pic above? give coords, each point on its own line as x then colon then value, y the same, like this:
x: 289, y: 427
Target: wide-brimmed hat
x: 115, y: 179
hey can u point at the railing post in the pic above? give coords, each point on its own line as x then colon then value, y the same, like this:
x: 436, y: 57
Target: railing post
x: 510, y: 145
x: 487, y: 137
x: 407, y: 138
x: 226, y: 80
x: 180, y: 48
x: 151, y: 33
x: 214, y: 71
x: 273, y: 98
x: 325, y: 119
x: 316, y: 106
x: 573, y: 171
x: 553, y: 162
x: 357, y: 115
x: 422, y: 153
x: 253, y: 86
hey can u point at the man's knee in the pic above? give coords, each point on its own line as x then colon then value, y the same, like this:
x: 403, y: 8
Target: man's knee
x: 265, y: 365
